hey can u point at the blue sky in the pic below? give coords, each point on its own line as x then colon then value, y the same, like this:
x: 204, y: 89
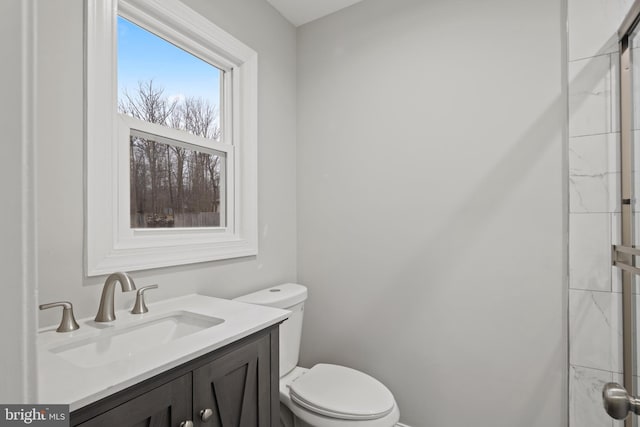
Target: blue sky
x: 143, y: 56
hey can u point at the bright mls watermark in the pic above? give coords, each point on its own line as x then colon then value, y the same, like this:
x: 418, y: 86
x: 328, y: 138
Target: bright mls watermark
x: 36, y: 415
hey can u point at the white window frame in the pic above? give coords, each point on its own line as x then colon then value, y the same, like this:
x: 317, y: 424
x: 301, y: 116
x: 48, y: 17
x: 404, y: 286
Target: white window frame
x: 110, y: 243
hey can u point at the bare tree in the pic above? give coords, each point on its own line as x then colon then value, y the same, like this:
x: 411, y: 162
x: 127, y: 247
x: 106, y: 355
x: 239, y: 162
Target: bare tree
x: 148, y: 104
x: 166, y: 177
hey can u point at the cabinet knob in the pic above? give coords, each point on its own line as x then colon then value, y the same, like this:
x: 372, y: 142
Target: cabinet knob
x: 186, y: 424
x: 205, y: 414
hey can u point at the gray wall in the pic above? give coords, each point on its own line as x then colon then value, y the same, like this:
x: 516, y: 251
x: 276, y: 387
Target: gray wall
x: 430, y: 224
x: 60, y: 159
x: 432, y: 205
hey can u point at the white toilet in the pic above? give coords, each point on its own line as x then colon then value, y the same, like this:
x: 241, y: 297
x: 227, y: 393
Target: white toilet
x: 325, y: 395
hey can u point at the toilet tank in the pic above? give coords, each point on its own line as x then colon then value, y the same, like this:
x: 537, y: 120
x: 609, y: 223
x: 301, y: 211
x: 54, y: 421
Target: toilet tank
x: 288, y: 296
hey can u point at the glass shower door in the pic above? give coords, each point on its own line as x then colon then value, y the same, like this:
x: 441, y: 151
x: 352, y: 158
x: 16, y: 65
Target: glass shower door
x: 620, y: 400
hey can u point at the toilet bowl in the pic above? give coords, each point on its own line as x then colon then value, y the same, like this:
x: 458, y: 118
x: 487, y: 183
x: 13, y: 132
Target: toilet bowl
x: 338, y: 403
x: 325, y: 395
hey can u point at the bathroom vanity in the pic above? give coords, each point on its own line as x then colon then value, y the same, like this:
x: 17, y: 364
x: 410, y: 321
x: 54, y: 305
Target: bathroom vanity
x: 191, y: 361
x: 235, y: 385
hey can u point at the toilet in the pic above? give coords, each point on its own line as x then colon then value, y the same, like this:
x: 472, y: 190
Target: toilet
x: 325, y: 395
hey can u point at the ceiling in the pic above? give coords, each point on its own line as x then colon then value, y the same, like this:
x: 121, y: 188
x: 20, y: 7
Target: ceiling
x: 300, y: 12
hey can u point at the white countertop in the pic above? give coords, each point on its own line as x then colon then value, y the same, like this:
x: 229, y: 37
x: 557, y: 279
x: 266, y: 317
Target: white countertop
x: 61, y: 382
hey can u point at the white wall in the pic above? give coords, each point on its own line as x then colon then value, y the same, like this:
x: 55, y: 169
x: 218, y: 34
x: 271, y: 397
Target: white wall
x: 17, y: 232
x: 432, y: 205
x: 60, y: 159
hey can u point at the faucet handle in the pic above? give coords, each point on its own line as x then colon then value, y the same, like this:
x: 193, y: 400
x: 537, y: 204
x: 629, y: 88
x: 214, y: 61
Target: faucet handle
x: 140, y: 307
x: 68, y: 322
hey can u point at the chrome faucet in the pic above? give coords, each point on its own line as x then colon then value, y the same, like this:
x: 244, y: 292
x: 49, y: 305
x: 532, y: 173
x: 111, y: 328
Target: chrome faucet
x: 106, y: 311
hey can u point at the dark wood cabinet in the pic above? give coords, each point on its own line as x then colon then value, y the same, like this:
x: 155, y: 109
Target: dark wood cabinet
x: 237, y: 383
x: 232, y: 387
x: 164, y: 406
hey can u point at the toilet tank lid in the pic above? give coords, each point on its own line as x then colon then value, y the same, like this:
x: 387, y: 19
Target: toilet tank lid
x: 282, y: 296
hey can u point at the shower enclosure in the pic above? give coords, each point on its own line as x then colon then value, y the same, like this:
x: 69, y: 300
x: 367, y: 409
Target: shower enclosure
x: 620, y: 400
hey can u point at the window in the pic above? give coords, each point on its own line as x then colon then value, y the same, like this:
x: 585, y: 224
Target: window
x: 171, y: 105
x: 172, y: 183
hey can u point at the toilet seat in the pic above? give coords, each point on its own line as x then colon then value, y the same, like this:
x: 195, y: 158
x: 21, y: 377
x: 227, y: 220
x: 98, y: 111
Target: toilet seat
x: 343, y: 393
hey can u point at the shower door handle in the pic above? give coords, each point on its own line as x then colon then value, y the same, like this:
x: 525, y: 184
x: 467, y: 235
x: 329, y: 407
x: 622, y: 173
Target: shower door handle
x: 617, y: 401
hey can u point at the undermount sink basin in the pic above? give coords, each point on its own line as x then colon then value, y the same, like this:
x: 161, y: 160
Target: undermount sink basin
x: 119, y: 343
x: 88, y: 364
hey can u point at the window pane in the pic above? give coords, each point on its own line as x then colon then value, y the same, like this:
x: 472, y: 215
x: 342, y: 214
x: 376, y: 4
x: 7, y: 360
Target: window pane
x: 160, y: 83
x: 175, y: 185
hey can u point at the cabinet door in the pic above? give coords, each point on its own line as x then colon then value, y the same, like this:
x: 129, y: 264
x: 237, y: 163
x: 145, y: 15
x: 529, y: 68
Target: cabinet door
x: 165, y: 406
x: 236, y: 387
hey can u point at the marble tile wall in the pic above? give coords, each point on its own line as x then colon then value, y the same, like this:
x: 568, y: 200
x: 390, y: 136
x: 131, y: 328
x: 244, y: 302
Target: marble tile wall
x: 595, y: 335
